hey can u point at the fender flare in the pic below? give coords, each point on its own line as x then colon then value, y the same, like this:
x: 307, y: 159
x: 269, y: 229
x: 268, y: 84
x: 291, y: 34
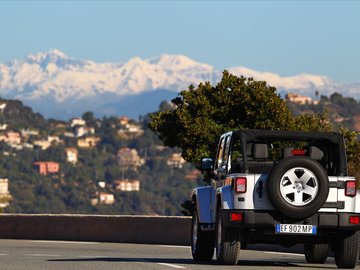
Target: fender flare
x: 205, y: 203
x: 224, y: 196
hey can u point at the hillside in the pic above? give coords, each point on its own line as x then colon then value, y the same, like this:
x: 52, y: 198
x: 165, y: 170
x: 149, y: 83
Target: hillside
x: 112, y: 165
x: 88, y: 165
x: 341, y: 111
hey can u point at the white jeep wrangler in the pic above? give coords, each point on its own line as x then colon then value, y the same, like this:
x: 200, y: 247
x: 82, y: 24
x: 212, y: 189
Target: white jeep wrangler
x: 277, y: 187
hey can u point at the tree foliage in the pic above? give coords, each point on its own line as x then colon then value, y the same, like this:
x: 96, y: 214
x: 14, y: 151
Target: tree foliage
x: 201, y: 114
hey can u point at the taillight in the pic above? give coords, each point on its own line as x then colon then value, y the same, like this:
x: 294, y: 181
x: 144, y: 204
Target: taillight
x: 350, y: 188
x: 298, y: 152
x: 236, y: 216
x: 354, y: 220
x: 240, y: 184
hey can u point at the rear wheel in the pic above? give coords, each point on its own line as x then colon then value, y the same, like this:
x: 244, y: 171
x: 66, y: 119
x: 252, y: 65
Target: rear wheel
x: 347, y: 250
x: 316, y: 253
x: 227, y: 249
x: 202, y: 243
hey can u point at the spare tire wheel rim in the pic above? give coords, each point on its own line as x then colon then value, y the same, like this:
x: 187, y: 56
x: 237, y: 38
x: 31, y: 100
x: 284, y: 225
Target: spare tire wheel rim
x: 299, y: 186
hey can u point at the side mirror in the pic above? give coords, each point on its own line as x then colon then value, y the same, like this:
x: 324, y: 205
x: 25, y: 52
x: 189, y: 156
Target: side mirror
x: 207, y: 164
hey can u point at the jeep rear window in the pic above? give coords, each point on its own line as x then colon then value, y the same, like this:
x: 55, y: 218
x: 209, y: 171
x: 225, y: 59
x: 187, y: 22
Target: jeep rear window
x: 263, y: 154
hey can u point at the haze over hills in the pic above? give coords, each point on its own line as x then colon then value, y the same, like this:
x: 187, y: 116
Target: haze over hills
x: 62, y: 87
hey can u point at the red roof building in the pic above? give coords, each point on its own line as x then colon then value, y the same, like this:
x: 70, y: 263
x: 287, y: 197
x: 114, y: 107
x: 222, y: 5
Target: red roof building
x: 46, y: 167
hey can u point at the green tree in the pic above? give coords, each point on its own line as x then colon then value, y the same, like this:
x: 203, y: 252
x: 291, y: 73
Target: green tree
x: 89, y: 118
x: 201, y: 114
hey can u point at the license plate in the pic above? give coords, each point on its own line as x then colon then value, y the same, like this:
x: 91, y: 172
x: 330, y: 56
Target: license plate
x: 295, y: 229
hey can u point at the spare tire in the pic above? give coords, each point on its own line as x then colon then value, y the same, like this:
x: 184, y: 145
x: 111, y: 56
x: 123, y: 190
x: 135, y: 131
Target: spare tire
x: 298, y: 187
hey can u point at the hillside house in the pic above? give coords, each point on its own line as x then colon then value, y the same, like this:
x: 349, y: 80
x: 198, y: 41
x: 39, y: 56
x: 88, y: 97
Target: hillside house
x: 106, y: 198
x: 127, y: 185
x: 2, y: 107
x: 4, y: 186
x: 54, y: 139
x: 43, y: 144
x: 3, y: 137
x: 129, y: 158
x: 123, y: 120
x: 176, y: 161
x: 11, y: 137
x: 5, y: 196
x: 28, y: 145
x: 77, y: 122
x: 94, y: 200
x: 29, y: 132
x: 80, y: 131
x: 130, y: 131
x: 101, y: 184
x: 3, y: 126
x: 300, y: 99
x: 71, y: 155
x: 88, y: 142
x: 46, y: 167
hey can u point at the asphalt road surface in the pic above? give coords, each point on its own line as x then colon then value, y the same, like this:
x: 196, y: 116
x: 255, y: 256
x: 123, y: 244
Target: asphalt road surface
x: 49, y: 255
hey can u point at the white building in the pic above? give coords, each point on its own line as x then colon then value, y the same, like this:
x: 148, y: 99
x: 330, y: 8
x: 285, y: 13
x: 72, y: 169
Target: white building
x: 5, y: 196
x: 127, y: 185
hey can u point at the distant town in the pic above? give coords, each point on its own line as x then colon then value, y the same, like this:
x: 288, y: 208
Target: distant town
x: 108, y: 165
x: 58, y: 151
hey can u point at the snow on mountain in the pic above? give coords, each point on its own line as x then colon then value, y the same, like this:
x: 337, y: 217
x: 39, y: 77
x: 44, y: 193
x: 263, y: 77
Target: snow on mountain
x: 53, y: 73
x: 301, y: 81
x: 54, y: 83
x: 178, y: 62
x: 306, y: 84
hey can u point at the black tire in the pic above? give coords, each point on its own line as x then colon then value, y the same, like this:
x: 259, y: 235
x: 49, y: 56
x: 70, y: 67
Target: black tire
x: 298, y: 166
x: 202, y: 243
x: 227, y: 251
x: 316, y: 253
x: 347, y: 250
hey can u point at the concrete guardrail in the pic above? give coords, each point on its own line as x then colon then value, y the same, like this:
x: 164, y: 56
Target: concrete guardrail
x: 125, y: 229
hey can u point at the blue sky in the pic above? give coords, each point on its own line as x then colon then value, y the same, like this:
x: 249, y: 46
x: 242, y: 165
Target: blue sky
x: 286, y: 37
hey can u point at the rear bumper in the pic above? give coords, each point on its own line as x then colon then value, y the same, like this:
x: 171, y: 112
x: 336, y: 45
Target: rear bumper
x: 258, y: 219
x: 259, y: 227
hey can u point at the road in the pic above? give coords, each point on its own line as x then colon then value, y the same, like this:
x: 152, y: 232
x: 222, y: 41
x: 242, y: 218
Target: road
x: 53, y: 255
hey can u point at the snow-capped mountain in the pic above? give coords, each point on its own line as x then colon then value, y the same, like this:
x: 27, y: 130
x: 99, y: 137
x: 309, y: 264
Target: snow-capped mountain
x: 59, y: 86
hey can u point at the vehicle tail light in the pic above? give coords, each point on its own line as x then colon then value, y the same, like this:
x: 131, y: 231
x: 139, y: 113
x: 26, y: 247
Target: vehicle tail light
x: 350, y: 188
x: 354, y: 220
x: 298, y: 152
x: 240, y: 184
x: 236, y: 217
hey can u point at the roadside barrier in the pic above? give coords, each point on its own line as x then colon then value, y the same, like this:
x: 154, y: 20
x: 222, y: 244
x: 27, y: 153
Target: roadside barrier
x: 167, y: 230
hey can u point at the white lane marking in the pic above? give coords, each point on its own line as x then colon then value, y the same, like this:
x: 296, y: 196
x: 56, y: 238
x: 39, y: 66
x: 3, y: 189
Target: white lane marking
x: 4, y: 254
x: 172, y: 265
x: 42, y: 255
x: 65, y: 242
x: 94, y: 256
x: 283, y: 253
x: 174, y: 246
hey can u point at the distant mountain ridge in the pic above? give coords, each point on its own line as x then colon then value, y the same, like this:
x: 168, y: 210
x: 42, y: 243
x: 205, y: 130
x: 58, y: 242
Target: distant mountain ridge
x: 59, y: 86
